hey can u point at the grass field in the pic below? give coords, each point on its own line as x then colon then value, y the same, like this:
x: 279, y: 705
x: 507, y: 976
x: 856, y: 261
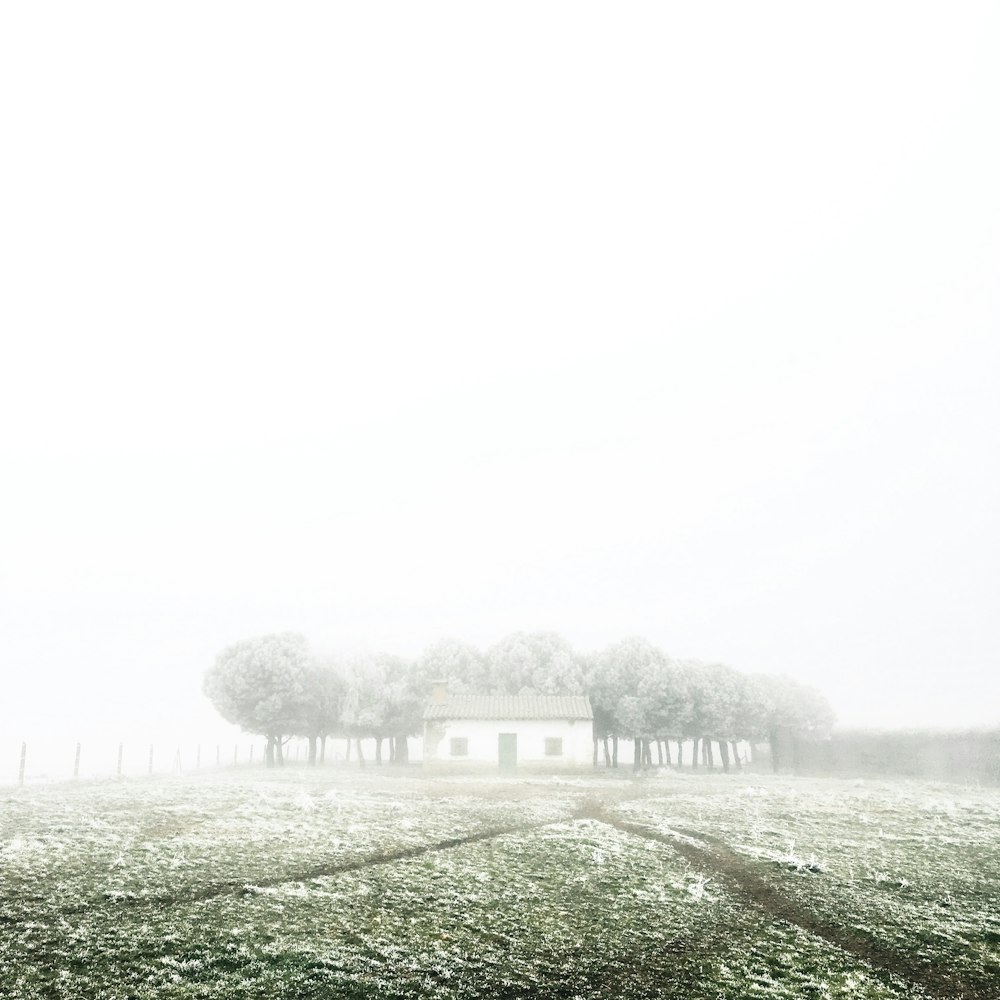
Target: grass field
x: 301, y: 884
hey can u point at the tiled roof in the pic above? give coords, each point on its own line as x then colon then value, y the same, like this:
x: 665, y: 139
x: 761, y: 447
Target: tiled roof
x: 522, y: 706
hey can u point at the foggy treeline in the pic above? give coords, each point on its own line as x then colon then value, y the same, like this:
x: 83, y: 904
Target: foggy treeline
x: 970, y: 755
x: 275, y: 686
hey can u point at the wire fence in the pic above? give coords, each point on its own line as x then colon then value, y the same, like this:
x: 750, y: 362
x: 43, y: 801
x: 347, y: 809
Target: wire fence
x: 39, y: 761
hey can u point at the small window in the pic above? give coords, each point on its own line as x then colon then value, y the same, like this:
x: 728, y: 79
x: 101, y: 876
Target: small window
x: 459, y: 746
x: 553, y: 746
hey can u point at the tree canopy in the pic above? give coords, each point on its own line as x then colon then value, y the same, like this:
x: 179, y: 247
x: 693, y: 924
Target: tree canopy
x: 274, y: 686
x: 264, y: 685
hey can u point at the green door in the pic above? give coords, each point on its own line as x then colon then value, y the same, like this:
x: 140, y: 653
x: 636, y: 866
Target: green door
x: 507, y: 752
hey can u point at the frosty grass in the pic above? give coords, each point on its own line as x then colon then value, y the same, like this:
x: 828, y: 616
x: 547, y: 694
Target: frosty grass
x: 325, y: 883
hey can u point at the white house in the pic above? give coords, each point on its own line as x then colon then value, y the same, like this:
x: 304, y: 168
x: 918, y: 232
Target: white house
x: 508, y: 733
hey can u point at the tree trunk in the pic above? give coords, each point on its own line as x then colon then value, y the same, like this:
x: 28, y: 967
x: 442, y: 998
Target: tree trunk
x: 269, y: 752
x: 322, y: 749
x: 279, y: 749
x: 614, y: 751
x: 402, y: 750
x: 647, y: 755
x: 680, y: 755
x: 659, y: 753
x: 347, y: 753
x: 392, y: 749
x: 378, y: 750
x: 312, y: 751
x: 607, y: 753
x: 636, y: 753
x: 666, y: 752
x: 710, y: 754
x: 694, y: 754
x: 596, y: 741
x: 736, y: 755
x: 724, y: 753
x: 361, y: 753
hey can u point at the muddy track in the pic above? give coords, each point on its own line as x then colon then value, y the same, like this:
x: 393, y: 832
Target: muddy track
x: 368, y: 861
x: 590, y: 808
x: 739, y: 878
x: 216, y: 890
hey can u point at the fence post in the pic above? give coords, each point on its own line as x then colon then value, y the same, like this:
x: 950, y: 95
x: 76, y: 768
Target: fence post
x: 150, y: 758
x: 20, y: 770
x: 76, y: 762
x: 121, y: 751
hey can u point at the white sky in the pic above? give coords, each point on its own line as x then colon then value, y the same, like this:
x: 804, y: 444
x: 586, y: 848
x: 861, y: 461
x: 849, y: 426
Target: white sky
x: 387, y: 322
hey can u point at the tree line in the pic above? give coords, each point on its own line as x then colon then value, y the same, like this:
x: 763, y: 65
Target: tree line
x: 275, y: 686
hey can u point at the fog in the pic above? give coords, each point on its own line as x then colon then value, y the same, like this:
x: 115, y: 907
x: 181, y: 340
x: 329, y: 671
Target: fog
x: 385, y: 324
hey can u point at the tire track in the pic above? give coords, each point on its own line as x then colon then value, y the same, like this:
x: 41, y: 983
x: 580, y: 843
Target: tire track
x: 744, y: 883
x: 370, y: 860
x: 244, y: 887
x: 590, y: 808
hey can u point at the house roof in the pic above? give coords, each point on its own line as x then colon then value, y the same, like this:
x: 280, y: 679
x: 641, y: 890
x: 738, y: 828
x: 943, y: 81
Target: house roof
x: 522, y: 706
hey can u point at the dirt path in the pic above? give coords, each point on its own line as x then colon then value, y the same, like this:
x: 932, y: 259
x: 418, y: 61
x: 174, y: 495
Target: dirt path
x: 739, y: 878
x: 216, y: 890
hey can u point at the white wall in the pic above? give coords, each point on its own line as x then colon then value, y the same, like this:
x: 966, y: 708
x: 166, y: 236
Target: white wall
x: 577, y: 737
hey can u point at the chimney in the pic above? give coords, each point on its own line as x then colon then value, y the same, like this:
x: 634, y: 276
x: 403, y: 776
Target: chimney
x: 439, y: 692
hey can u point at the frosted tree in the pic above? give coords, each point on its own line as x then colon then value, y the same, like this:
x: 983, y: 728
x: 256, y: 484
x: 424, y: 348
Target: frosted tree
x: 720, y: 713
x: 382, y: 702
x: 459, y: 663
x: 405, y: 700
x: 666, y: 693
x: 327, y: 690
x: 794, y: 712
x: 614, y: 682
x: 264, y: 686
x: 754, y: 710
x: 535, y: 663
